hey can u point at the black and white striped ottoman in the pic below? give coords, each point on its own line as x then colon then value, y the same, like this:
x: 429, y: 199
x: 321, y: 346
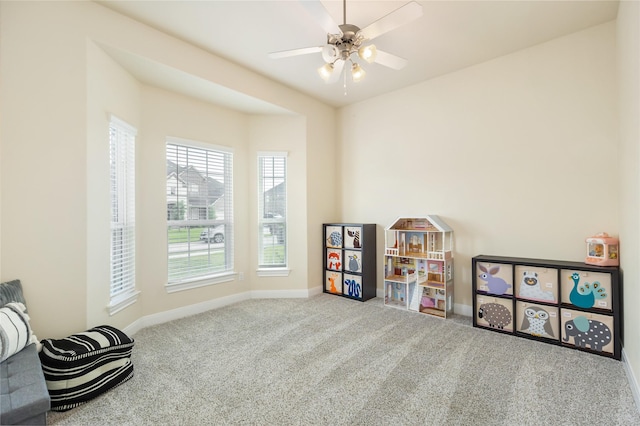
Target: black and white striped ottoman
x: 83, y: 366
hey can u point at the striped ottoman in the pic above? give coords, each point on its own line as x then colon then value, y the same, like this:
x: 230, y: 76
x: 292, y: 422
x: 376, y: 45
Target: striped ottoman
x: 83, y: 366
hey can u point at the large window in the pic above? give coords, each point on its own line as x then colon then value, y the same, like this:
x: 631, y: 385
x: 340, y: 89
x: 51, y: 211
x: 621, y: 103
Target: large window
x: 122, y: 138
x: 199, y: 212
x: 272, y: 210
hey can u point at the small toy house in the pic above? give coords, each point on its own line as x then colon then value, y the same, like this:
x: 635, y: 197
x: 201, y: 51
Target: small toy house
x: 602, y: 250
x: 419, y: 262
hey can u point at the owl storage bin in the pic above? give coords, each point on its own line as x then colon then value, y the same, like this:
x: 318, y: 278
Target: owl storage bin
x: 495, y: 278
x: 586, y: 289
x: 538, y: 320
x: 333, y: 283
x: 494, y: 312
x: 536, y: 283
x: 587, y: 330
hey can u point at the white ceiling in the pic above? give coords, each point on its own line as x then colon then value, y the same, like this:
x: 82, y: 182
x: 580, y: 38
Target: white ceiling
x: 449, y: 36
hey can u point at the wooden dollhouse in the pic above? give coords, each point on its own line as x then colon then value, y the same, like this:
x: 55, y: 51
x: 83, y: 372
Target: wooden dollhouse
x: 418, y: 265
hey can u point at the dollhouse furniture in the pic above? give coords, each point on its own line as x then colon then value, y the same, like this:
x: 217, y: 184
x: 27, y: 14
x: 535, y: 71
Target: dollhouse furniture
x: 350, y: 260
x: 418, y: 265
x: 602, y: 250
x: 570, y: 304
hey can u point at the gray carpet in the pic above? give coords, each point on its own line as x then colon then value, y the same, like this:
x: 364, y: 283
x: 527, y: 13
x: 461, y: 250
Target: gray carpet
x: 332, y: 361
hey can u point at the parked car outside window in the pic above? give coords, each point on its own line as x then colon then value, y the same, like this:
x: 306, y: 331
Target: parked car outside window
x: 213, y: 235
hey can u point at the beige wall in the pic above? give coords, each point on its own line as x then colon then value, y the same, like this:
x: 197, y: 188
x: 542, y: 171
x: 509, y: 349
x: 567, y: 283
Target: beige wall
x: 518, y: 155
x: 628, y: 37
x: 58, y: 89
x: 110, y: 90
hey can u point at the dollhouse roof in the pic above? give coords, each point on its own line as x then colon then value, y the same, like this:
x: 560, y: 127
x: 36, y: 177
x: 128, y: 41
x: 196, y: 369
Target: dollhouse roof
x: 422, y: 223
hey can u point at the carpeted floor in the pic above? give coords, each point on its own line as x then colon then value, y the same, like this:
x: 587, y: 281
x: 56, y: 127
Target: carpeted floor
x: 332, y: 361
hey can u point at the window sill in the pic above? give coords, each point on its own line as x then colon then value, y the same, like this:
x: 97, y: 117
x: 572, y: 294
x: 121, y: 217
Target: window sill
x: 120, y: 302
x: 273, y: 272
x: 199, y: 282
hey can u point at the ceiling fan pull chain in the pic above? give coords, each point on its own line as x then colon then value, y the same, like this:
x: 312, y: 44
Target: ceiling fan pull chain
x: 345, y: 83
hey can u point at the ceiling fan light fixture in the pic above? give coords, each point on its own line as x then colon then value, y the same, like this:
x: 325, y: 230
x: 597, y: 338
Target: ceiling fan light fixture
x: 368, y: 53
x: 325, y: 71
x: 357, y: 73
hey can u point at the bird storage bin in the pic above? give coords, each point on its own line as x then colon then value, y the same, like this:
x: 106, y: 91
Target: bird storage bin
x: 587, y: 330
x: 538, y: 320
x: 586, y: 289
x: 535, y: 283
x: 495, y: 278
x: 494, y: 312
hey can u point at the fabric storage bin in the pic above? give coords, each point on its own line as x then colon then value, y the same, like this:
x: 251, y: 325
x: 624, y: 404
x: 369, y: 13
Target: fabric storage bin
x: 587, y: 330
x: 494, y: 312
x: 537, y: 283
x: 537, y: 320
x: 587, y: 289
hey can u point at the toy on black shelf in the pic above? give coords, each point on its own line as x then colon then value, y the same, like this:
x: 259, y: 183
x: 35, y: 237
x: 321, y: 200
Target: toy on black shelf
x: 602, y: 250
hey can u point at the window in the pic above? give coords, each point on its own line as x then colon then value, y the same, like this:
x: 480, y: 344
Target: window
x: 199, y: 214
x: 122, y: 140
x: 272, y: 210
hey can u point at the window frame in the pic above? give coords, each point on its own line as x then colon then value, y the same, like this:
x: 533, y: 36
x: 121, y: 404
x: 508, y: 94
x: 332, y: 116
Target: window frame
x: 264, y: 268
x: 195, y: 279
x: 122, y: 251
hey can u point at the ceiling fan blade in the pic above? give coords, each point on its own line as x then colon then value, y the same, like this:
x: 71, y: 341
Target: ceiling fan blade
x: 393, y: 20
x: 389, y: 60
x: 337, y: 71
x: 295, y: 52
x: 318, y: 11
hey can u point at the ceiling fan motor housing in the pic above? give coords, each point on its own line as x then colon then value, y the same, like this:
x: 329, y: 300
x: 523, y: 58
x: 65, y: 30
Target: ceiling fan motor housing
x: 343, y: 45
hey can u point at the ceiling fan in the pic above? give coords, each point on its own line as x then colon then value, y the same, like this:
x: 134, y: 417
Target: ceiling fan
x: 346, y: 39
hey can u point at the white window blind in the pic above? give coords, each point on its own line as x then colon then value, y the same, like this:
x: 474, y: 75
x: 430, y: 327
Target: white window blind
x: 122, y: 139
x: 199, y: 211
x: 272, y: 210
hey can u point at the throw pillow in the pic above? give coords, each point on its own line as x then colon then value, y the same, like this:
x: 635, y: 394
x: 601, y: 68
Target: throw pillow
x: 15, y: 331
x: 11, y: 291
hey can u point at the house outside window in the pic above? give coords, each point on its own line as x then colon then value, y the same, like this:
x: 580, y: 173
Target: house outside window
x: 122, y: 138
x: 272, y: 211
x: 199, y: 213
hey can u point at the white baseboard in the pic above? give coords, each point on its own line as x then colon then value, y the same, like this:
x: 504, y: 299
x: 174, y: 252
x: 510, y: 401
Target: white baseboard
x: 464, y: 310
x: 633, y: 382
x: 198, y: 308
x: 185, y: 311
